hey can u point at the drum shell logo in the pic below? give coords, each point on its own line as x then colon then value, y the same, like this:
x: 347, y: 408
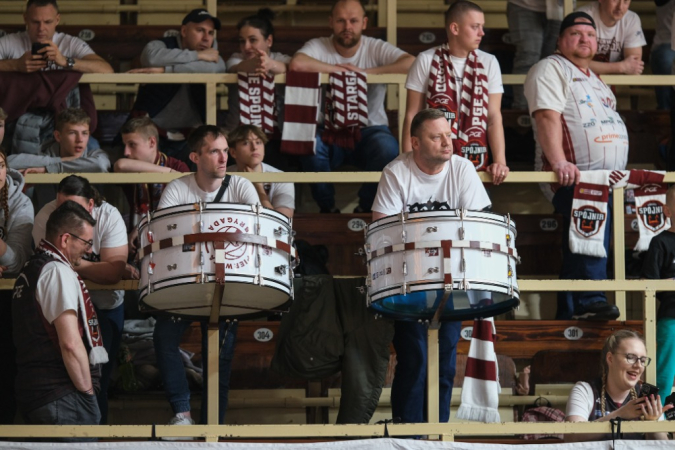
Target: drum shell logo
x: 235, y: 252
x: 588, y: 220
x: 651, y: 215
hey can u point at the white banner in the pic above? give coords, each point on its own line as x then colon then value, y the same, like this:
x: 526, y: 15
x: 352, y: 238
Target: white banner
x: 364, y: 444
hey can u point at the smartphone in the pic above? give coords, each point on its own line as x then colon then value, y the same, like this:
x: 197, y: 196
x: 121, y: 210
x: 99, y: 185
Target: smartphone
x: 36, y: 47
x: 648, y: 389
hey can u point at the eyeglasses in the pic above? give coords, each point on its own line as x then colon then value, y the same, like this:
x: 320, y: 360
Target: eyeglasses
x: 88, y: 243
x: 632, y: 359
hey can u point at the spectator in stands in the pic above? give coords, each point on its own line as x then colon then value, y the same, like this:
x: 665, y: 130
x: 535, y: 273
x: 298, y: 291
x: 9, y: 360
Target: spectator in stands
x: 56, y: 329
x: 620, y: 38
x: 16, y: 223
x: 427, y: 175
x: 3, y: 116
x: 247, y: 147
x: 67, y: 153
x: 209, y: 147
x: 177, y: 108
x: 104, y: 263
x: 534, y: 32
x: 660, y: 264
x: 21, y: 52
x: 568, y: 103
x: 347, y: 50
x: 662, y: 54
x: 616, y: 393
x: 427, y: 87
x: 256, y: 37
x: 141, y: 154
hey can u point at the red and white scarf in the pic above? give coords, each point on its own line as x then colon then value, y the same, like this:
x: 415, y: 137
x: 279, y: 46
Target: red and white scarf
x: 468, y: 120
x: 257, y: 102
x: 86, y: 313
x: 589, y: 207
x: 346, y: 109
x: 301, y: 109
x: 481, y: 389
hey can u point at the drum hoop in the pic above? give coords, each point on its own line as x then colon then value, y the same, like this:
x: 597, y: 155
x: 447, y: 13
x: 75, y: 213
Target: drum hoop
x: 186, y: 208
x: 252, y: 315
x: 218, y: 237
x: 373, y: 226
x: 456, y: 284
x: 211, y: 278
x: 475, y: 245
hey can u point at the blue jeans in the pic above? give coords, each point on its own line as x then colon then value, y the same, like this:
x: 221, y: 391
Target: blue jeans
x: 375, y: 150
x: 661, y: 60
x: 76, y: 408
x: 535, y: 38
x: 579, y: 267
x: 112, y: 324
x: 167, y: 337
x: 408, y: 391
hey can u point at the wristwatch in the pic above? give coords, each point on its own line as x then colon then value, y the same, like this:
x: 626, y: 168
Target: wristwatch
x: 70, y: 62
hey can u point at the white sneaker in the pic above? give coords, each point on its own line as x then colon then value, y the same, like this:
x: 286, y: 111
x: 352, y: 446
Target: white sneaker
x: 179, y: 419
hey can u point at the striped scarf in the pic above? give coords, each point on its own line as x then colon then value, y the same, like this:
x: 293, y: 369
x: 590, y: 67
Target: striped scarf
x: 346, y: 109
x: 257, y: 102
x: 86, y: 313
x: 468, y: 121
x: 301, y: 108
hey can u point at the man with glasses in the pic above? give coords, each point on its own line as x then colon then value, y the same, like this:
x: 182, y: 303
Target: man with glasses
x: 56, y: 331
x: 105, y: 263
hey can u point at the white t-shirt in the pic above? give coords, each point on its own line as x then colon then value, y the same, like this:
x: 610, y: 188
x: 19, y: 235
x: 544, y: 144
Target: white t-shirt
x: 594, y: 136
x: 232, y: 120
x: 371, y: 53
x: 58, y: 290
x: 184, y: 190
x: 15, y: 45
x: 403, y: 186
x: 626, y: 33
x: 282, y: 195
x: 418, y: 75
x: 109, y: 232
x: 580, y: 402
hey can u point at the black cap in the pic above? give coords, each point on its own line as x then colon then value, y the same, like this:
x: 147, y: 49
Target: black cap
x: 572, y: 19
x: 199, y: 15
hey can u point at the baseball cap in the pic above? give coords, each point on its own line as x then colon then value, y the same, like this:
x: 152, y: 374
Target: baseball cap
x: 572, y: 19
x: 199, y: 15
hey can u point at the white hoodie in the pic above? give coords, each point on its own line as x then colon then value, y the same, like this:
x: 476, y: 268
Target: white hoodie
x: 17, y: 231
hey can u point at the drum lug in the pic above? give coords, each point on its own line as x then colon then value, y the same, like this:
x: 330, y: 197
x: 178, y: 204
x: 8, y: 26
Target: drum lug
x: 200, y: 207
x: 432, y: 270
x: 256, y: 279
x: 279, y: 231
x: 432, y: 229
x: 405, y: 268
x: 368, y: 282
x: 281, y: 270
x: 461, y: 233
x: 171, y: 267
x: 171, y: 227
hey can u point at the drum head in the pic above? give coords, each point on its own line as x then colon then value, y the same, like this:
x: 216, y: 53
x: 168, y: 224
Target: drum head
x: 461, y: 305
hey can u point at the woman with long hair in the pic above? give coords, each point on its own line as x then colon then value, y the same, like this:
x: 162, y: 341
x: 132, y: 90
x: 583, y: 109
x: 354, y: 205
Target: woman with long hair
x: 617, y: 393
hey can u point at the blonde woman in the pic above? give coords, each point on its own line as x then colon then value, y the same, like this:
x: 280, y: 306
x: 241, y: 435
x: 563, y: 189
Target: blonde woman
x: 616, y: 394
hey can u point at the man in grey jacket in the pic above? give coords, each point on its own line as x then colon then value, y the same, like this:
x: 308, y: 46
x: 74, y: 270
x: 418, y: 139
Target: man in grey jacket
x: 178, y: 108
x: 67, y: 153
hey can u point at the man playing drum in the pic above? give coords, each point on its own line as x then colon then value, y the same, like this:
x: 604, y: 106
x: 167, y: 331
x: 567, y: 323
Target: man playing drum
x: 208, y: 151
x: 426, y: 179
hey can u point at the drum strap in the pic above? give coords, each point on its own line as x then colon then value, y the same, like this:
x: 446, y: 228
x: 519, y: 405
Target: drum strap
x: 223, y: 188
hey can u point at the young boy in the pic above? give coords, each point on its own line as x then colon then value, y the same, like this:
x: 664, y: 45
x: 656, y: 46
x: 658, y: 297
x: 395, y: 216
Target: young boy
x: 247, y: 147
x: 67, y: 153
x: 141, y: 154
x: 660, y: 264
